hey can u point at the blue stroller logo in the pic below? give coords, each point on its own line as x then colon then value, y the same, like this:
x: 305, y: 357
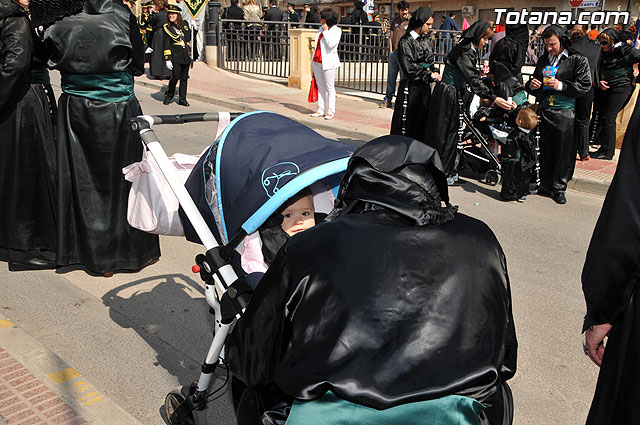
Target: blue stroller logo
x: 272, y: 176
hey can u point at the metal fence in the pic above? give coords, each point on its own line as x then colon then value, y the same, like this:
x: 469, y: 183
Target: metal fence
x: 263, y: 48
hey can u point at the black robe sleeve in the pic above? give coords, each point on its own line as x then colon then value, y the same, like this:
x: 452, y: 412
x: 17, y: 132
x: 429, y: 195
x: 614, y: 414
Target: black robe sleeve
x: 17, y: 46
x: 410, y: 55
x: 260, y: 337
x: 581, y: 81
x: 137, y: 47
x: 612, y: 266
x: 467, y: 64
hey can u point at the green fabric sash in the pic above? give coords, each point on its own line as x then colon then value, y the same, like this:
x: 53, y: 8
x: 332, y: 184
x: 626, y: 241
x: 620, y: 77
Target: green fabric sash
x: 520, y: 98
x: 332, y: 410
x: 557, y: 100
x: 112, y: 87
x: 453, y: 76
x: 425, y: 65
x: 606, y: 74
x: 38, y: 76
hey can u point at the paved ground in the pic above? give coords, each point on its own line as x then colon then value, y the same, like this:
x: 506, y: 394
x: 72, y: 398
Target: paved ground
x: 80, y: 349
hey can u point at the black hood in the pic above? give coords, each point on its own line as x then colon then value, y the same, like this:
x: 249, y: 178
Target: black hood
x: 614, y: 35
x: 473, y: 33
x: 399, y: 174
x: 518, y: 32
x: 560, y: 32
x: 419, y: 17
x: 9, y: 9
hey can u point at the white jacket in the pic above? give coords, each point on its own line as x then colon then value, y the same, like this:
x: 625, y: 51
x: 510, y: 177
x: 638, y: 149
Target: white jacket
x: 329, y: 47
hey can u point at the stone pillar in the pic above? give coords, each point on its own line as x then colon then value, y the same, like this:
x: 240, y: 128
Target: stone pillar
x: 301, y: 45
x: 212, y: 35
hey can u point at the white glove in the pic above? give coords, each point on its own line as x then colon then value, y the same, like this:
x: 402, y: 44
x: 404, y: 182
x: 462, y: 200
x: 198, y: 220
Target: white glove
x: 169, y: 65
x: 149, y: 50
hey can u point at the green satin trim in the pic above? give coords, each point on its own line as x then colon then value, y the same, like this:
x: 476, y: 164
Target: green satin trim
x: 38, y: 76
x: 453, y: 76
x: 330, y: 410
x: 112, y: 87
x: 605, y: 74
x: 520, y: 98
x: 557, y: 100
x: 425, y: 65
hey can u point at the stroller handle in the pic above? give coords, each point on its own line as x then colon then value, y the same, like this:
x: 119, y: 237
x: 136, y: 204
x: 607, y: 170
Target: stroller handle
x: 136, y: 123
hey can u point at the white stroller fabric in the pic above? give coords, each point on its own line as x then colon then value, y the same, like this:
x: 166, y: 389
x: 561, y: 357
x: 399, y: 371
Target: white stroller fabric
x: 152, y: 205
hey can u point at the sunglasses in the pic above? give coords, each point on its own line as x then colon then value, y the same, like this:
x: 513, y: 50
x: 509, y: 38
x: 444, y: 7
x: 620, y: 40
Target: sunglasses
x: 604, y: 43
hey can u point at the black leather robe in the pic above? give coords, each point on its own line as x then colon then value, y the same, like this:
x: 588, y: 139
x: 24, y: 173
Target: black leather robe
x: 377, y: 305
x: 27, y: 140
x: 609, y: 282
x: 417, y: 62
x: 95, y: 142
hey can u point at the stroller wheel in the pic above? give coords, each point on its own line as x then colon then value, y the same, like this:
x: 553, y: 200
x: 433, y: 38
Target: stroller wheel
x: 492, y: 177
x: 171, y: 403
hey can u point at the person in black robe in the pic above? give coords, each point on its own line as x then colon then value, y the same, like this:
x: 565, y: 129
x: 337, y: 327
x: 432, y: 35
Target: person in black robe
x: 609, y: 281
x: 461, y: 69
x: 312, y: 16
x: 585, y: 46
x: 506, y: 61
x: 94, y: 138
x: 177, y: 54
x: 417, y: 63
x: 615, y: 88
x: 330, y: 320
x: 560, y: 76
x: 157, y: 64
x: 28, y: 150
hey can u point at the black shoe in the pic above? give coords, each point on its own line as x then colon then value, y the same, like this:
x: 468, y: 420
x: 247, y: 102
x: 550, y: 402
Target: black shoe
x: 183, y: 102
x: 166, y: 101
x: 389, y: 104
x: 560, y: 198
x: 544, y: 192
x: 37, y: 263
x: 600, y: 155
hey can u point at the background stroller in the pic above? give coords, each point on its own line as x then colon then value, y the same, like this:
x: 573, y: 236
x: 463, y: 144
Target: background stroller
x: 257, y: 164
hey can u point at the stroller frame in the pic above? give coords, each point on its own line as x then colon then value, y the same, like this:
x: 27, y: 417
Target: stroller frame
x: 226, y: 294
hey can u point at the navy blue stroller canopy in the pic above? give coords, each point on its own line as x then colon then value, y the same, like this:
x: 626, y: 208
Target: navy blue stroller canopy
x: 260, y: 161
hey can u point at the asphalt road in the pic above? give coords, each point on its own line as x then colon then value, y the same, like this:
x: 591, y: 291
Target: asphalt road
x: 137, y: 336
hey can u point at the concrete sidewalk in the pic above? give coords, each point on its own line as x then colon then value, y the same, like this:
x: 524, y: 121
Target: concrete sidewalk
x: 358, y: 115
x: 37, y: 387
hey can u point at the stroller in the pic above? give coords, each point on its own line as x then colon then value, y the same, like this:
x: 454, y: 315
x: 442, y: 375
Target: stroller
x: 481, y: 137
x: 259, y: 162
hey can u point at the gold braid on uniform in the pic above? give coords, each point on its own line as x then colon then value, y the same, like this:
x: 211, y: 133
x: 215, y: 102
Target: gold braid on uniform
x: 175, y: 37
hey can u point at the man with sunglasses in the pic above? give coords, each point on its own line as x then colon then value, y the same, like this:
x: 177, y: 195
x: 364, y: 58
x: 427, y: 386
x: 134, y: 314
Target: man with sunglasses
x: 560, y: 76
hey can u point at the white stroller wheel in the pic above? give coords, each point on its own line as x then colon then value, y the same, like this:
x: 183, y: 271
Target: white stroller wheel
x: 171, y: 403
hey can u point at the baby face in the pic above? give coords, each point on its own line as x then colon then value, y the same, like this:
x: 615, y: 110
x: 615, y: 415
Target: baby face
x: 298, y: 216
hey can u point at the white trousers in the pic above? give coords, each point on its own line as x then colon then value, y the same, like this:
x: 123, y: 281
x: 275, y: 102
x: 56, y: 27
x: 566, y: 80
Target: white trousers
x: 325, y: 80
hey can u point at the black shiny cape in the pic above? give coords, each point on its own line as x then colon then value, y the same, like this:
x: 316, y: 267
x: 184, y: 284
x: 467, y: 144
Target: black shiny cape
x: 443, y: 122
x: 506, y: 61
x: 573, y: 71
x: 27, y: 150
x: 591, y: 50
x: 609, y: 282
x: 382, y: 312
x: 414, y: 93
x: 465, y: 58
x: 620, y: 57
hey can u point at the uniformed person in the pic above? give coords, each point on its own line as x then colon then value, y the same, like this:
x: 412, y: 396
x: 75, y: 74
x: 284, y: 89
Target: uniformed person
x: 143, y: 21
x: 177, y: 49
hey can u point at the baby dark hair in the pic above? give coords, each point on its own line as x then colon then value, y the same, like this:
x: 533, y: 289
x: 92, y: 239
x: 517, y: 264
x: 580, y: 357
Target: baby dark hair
x: 295, y: 198
x: 528, y: 118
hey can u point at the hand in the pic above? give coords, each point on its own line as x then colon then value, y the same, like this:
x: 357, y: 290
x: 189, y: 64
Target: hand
x: 169, y: 65
x: 325, y: 27
x: 604, y: 85
x: 436, y: 76
x: 593, y: 342
x: 535, y: 84
x: 149, y: 50
x: 504, y: 104
x: 553, y: 83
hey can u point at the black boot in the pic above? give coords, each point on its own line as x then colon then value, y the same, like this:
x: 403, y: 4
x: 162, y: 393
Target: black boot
x: 183, y: 102
x: 167, y: 100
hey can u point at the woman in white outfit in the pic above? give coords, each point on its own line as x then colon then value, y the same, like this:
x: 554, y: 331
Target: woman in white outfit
x: 325, y: 62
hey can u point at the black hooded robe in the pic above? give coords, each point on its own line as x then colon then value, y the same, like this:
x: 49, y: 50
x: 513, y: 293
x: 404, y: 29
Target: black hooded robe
x: 417, y: 62
x: 27, y: 141
x: 462, y: 68
x: 591, y: 50
x: 506, y: 61
x: 557, y: 126
x: 157, y: 64
x: 94, y: 139
x: 326, y: 318
x: 518, y: 165
x: 609, y: 281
